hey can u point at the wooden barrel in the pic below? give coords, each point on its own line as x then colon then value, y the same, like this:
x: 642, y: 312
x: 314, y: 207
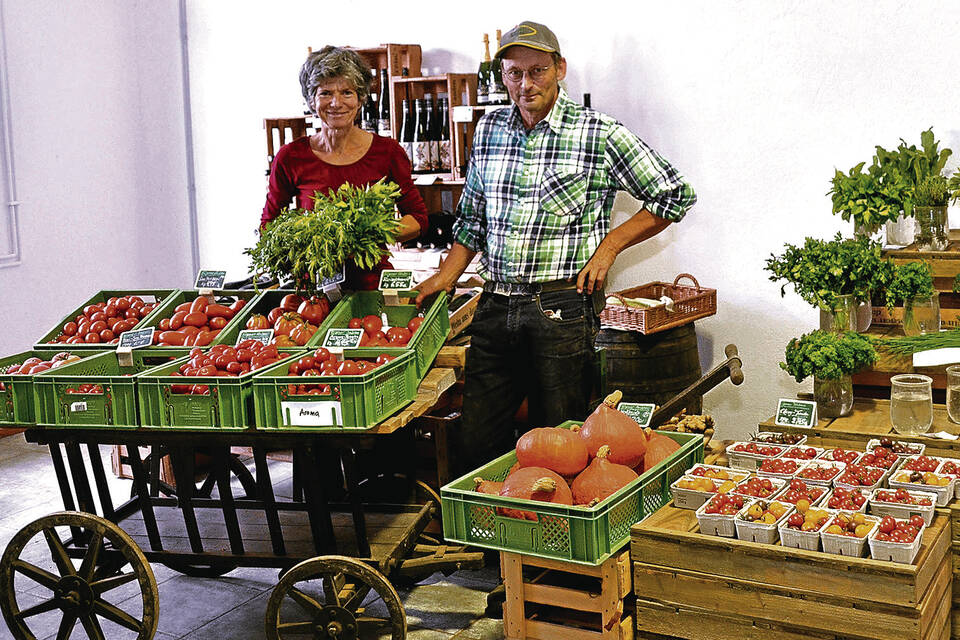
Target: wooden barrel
x: 652, y: 368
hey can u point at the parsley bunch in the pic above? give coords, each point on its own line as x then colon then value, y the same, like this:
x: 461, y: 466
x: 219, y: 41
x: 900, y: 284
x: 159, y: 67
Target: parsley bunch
x: 822, y: 270
x: 911, y: 280
x: 352, y: 223
x: 828, y: 355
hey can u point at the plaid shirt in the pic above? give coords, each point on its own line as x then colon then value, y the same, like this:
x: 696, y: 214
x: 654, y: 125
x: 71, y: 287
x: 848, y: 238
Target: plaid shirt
x: 537, y: 204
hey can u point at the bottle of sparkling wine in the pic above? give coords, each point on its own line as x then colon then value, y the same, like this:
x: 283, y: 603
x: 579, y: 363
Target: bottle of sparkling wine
x: 443, y: 137
x: 433, y: 133
x: 497, y: 93
x: 421, y: 140
x: 383, y: 109
x: 483, y: 74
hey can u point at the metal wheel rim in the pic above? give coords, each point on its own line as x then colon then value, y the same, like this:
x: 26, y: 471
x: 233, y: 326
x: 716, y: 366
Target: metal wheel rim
x: 78, y: 592
x: 326, y: 569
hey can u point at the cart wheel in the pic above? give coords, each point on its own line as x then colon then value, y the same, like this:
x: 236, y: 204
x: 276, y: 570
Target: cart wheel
x: 331, y: 594
x: 78, y: 593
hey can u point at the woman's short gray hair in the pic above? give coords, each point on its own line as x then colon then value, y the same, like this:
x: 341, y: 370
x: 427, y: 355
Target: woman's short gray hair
x: 334, y: 62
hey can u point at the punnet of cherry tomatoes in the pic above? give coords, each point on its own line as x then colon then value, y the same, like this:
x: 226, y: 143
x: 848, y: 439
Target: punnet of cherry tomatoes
x: 103, y: 322
x: 195, y: 323
x: 224, y: 361
x: 294, y: 321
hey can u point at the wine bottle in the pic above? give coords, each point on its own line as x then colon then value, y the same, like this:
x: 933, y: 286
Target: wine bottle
x: 433, y: 133
x: 586, y: 100
x: 421, y: 142
x: 483, y: 73
x: 443, y: 137
x: 369, y: 119
x: 383, y: 122
x: 407, y: 126
x: 497, y: 91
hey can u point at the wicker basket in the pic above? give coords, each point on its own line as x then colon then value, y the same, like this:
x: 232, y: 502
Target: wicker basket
x: 690, y: 303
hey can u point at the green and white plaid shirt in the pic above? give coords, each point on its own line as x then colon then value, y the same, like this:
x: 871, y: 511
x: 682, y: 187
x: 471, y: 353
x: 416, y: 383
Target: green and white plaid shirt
x: 537, y: 204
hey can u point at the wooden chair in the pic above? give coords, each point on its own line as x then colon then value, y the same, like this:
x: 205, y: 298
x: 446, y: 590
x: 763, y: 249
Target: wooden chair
x: 277, y: 129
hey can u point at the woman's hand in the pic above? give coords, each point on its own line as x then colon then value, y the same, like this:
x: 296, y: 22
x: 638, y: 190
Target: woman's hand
x: 409, y: 229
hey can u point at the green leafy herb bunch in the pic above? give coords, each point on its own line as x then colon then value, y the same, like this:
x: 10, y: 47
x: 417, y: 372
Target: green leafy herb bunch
x: 870, y: 198
x: 933, y: 191
x: 828, y: 355
x: 352, y: 223
x: 910, y: 281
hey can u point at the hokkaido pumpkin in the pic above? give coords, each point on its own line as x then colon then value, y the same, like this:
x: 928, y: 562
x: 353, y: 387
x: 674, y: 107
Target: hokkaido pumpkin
x: 607, y: 426
x: 659, y: 447
x: 554, y: 448
x: 534, y: 483
x: 491, y: 487
x: 600, y: 479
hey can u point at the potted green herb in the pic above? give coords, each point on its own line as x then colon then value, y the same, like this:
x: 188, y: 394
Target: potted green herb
x: 833, y: 275
x: 870, y: 199
x: 831, y: 358
x: 912, y: 286
x: 349, y: 224
x: 930, y: 211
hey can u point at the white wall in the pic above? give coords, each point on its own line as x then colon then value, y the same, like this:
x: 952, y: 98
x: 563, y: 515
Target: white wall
x: 755, y: 102
x: 100, y: 156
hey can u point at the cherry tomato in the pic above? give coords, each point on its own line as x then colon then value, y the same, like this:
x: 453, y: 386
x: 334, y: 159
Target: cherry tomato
x: 355, y: 323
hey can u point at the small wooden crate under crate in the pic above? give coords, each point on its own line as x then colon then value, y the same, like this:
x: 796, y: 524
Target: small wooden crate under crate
x: 699, y: 587
x: 557, y: 600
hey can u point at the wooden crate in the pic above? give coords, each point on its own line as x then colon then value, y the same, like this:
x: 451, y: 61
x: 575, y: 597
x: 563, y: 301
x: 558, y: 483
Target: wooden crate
x: 556, y: 600
x: 954, y: 512
x: 695, y: 586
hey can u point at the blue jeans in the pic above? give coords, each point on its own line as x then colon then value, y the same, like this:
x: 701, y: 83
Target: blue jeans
x: 538, y: 347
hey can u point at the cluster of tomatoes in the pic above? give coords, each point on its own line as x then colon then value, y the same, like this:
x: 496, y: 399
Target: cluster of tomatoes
x: 294, y: 321
x: 807, y: 520
x: 224, y: 361
x: 859, y: 475
x: 950, y: 468
x: 781, y: 466
x: 799, y: 490
x: 802, y: 453
x: 899, y: 447
x: 34, y: 365
x: 903, y: 531
x: 841, y: 498
x: 724, y: 504
x: 855, y: 525
x: 883, y: 457
x: 103, y: 322
x: 921, y: 463
x: 85, y: 388
x: 902, y: 496
x: 758, y: 449
x: 707, y: 485
x: 323, y: 363
x: 765, y: 512
x: 195, y: 324
x: 757, y: 488
x: 927, y: 478
x: 717, y: 474
x: 845, y: 456
x: 374, y: 336
x: 820, y: 472
x: 778, y: 438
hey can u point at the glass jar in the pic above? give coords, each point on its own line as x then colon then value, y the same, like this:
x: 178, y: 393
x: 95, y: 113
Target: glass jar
x: 931, y: 228
x: 843, y: 317
x: 834, y: 396
x: 953, y: 393
x: 911, y: 403
x: 922, y: 315
x: 900, y: 231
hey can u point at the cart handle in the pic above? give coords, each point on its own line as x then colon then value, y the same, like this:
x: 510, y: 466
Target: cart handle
x: 729, y: 368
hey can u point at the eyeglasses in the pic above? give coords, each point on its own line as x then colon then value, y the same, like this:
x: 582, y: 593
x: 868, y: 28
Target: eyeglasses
x: 534, y: 73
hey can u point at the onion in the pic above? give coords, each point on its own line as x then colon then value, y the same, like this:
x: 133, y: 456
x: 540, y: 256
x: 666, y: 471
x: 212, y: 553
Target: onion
x: 659, y: 447
x: 534, y: 483
x: 600, y: 479
x: 608, y: 426
x: 554, y: 448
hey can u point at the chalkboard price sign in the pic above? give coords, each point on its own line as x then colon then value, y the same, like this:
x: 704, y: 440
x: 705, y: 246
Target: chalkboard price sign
x: 343, y: 338
x: 260, y: 335
x: 333, y: 280
x: 210, y: 279
x: 641, y: 412
x: 796, y: 413
x: 136, y: 339
x: 393, y: 280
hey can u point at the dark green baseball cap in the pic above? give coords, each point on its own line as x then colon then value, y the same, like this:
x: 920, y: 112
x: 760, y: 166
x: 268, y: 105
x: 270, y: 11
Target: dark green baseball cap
x: 529, y: 34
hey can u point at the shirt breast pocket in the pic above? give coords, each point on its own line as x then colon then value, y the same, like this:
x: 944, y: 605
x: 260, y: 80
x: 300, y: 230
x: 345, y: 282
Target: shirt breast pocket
x: 563, y: 195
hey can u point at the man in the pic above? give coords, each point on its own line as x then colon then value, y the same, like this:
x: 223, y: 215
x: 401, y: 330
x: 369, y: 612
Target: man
x: 536, y: 202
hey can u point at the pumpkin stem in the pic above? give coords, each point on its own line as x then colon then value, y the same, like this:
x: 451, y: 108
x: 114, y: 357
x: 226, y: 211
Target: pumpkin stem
x: 478, y: 481
x: 593, y: 502
x: 613, y: 399
x: 545, y: 485
x: 603, y: 451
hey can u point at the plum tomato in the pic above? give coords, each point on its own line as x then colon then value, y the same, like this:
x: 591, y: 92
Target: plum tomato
x: 372, y: 325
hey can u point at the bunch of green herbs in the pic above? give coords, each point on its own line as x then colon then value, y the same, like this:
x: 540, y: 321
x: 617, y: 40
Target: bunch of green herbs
x: 352, y: 223
x: 828, y: 355
x: 908, y: 345
x: 933, y: 191
x: 869, y: 199
x: 910, y: 281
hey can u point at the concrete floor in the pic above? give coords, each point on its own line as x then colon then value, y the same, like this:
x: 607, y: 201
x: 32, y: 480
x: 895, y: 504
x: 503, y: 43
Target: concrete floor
x: 231, y: 607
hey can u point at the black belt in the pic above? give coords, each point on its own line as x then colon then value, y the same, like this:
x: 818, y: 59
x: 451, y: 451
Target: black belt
x: 527, y: 288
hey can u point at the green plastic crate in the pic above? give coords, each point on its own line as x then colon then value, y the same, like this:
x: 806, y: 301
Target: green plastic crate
x: 228, y: 407
x: 16, y: 394
x: 362, y: 401
x: 115, y: 407
x: 426, y: 342
x: 168, y: 308
x: 587, y: 535
x: 160, y: 295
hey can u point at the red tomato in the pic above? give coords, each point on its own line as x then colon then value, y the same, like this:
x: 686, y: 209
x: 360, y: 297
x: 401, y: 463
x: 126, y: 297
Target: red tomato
x: 164, y: 324
x: 329, y: 368
x: 321, y: 355
x: 355, y: 323
x: 98, y: 326
x: 176, y: 320
x: 313, y: 310
x: 290, y: 302
x: 372, y: 324
x: 209, y: 370
x: 219, y: 311
x: 294, y: 369
x: 183, y: 306
x: 175, y: 338
x: 273, y: 316
x: 196, y: 318
x: 189, y: 330
x: 348, y: 368
x: 110, y: 310
x: 398, y: 335
x: 99, y: 315
x: 91, y: 338
x: 106, y: 335
x: 307, y: 362
x: 199, y: 304
x: 131, y: 314
x: 244, y: 354
x: 200, y: 390
x: 239, y: 304
x: 70, y: 329
x: 415, y: 323
x: 122, y: 304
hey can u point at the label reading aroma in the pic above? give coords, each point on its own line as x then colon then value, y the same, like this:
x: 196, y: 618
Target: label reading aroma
x: 796, y: 413
x: 260, y: 335
x: 394, y: 280
x: 207, y: 279
x: 641, y: 412
x: 136, y: 339
x: 342, y: 338
x: 322, y: 413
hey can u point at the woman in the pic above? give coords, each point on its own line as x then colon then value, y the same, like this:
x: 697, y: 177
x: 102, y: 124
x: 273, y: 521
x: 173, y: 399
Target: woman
x: 334, y: 83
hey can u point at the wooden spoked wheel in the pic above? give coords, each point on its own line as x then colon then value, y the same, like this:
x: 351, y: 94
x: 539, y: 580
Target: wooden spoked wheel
x: 334, y: 597
x: 77, y: 594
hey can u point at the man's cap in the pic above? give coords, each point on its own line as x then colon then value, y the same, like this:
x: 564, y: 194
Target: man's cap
x: 529, y: 34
